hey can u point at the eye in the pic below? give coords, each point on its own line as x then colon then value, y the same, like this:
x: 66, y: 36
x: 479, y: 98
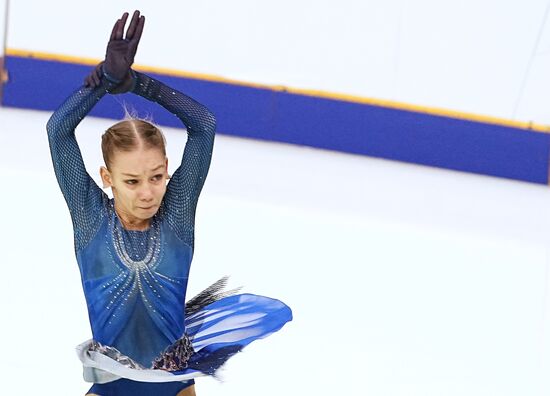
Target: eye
x: 131, y: 181
x: 157, y: 177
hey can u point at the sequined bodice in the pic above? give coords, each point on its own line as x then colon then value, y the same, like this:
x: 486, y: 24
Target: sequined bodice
x: 135, y: 284
x: 137, y: 249
x: 134, y: 281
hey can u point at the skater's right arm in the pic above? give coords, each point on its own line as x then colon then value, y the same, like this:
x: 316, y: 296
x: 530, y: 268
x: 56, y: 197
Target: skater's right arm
x: 81, y: 193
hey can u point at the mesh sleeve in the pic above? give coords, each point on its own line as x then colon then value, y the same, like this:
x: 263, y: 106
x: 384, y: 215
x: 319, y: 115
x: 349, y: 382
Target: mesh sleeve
x: 187, y: 181
x: 84, y: 198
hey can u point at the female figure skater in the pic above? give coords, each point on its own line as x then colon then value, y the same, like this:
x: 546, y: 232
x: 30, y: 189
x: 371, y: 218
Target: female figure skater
x: 134, y: 251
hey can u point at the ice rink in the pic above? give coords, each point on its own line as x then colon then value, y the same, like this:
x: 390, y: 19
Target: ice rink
x: 404, y: 280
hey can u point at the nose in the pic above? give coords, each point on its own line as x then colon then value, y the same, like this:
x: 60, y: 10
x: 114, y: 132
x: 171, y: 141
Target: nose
x: 146, y: 194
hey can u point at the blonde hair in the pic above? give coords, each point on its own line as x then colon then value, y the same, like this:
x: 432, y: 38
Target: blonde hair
x: 130, y: 134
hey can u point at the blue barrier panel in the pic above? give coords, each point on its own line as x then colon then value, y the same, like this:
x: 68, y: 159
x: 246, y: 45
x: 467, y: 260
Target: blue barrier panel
x: 332, y: 124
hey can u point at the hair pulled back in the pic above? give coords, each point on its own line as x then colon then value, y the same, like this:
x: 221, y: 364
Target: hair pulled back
x: 129, y: 135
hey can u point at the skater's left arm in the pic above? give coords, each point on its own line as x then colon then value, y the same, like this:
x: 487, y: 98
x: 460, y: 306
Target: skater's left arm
x: 186, y: 183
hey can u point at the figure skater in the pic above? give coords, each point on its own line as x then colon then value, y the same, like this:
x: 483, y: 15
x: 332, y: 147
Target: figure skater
x: 134, y: 251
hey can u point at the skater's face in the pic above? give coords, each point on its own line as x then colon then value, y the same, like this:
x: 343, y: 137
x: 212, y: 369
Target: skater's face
x: 138, y: 181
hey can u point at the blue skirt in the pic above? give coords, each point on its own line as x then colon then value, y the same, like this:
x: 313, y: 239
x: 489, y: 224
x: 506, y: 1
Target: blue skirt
x: 218, y: 325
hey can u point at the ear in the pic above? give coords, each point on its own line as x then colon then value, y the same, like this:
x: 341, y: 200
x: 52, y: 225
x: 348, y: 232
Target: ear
x: 105, y: 177
x: 166, y: 165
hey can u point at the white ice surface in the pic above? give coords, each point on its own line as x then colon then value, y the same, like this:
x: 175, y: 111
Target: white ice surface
x: 404, y: 280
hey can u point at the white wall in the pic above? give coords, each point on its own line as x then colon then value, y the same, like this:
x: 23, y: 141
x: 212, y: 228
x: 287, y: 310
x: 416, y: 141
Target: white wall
x: 469, y: 56
x: 2, y: 25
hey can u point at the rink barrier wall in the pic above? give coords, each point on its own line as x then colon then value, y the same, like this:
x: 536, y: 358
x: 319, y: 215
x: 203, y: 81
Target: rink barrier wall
x: 384, y: 129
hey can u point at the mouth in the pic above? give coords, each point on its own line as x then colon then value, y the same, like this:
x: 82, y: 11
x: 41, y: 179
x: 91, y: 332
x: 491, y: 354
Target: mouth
x: 148, y: 208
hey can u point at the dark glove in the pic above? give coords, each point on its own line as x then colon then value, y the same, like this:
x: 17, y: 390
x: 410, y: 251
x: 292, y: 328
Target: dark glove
x: 120, y: 52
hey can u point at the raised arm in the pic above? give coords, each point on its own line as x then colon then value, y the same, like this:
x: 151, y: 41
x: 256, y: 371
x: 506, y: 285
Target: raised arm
x: 83, y: 196
x: 187, y: 181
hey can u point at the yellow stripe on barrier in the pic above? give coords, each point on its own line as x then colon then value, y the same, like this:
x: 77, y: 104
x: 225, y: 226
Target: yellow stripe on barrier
x: 307, y: 92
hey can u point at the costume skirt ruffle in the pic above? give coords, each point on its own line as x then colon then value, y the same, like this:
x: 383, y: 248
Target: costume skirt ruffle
x: 217, y: 327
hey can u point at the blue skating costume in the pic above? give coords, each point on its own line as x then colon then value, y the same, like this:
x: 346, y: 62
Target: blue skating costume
x: 135, y: 281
